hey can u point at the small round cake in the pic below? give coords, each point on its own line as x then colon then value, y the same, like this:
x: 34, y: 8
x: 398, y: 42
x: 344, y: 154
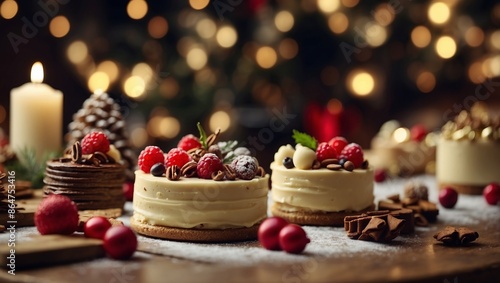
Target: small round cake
x: 310, y: 187
x: 468, y: 151
x: 207, y: 193
x: 93, y: 181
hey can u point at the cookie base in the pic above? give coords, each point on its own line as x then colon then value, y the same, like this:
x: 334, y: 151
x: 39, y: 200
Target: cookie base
x: 316, y: 218
x: 195, y: 235
x: 464, y: 189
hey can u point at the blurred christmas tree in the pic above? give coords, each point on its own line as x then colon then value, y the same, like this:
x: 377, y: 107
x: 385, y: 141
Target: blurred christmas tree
x: 328, y: 66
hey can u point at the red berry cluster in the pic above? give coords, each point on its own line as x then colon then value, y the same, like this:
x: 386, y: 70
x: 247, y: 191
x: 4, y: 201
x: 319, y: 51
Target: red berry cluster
x: 339, y: 148
x: 57, y: 214
x: 153, y: 160
x: 275, y: 233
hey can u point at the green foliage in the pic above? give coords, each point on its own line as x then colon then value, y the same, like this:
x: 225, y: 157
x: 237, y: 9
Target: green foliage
x: 28, y: 168
x: 305, y: 139
x: 203, y: 136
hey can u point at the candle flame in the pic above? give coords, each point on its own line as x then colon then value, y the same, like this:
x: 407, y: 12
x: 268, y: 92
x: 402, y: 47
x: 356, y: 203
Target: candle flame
x: 37, y: 73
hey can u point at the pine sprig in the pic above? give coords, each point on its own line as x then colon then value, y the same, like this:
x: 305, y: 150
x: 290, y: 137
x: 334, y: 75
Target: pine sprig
x: 203, y: 136
x: 305, y: 139
x: 28, y: 167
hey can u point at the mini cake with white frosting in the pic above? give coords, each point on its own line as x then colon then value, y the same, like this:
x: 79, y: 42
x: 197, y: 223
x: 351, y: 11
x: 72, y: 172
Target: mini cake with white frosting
x: 320, y: 184
x: 200, y: 192
x: 468, y: 151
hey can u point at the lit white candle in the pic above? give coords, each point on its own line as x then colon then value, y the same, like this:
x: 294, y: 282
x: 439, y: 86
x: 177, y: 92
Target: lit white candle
x: 36, y: 116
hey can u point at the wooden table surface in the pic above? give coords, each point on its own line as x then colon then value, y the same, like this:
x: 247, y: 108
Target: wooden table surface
x: 416, y: 258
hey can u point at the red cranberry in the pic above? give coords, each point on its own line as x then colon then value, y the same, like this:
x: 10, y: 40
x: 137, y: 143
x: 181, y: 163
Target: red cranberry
x: 120, y: 242
x: 269, y: 231
x: 128, y: 191
x: 293, y: 239
x: 492, y: 193
x: 96, y: 227
x: 380, y: 175
x: 448, y: 197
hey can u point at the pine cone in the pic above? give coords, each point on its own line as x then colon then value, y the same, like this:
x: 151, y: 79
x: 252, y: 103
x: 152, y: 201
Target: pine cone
x: 101, y: 113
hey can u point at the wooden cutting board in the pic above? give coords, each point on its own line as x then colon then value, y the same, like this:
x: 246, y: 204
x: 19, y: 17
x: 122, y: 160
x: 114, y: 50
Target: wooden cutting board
x: 50, y: 250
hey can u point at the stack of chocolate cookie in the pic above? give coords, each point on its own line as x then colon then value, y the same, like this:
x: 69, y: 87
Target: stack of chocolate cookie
x: 93, y: 181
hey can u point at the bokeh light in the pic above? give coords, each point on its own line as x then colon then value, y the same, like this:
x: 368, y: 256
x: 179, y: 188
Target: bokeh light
x: 475, y: 72
x: 169, y: 87
x: 384, y: 14
x: 134, y: 87
x: 288, y: 48
x: 426, y: 81
x: 338, y: 22
x: 110, y: 68
x: 138, y: 137
x: 198, y: 4
x: 421, y: 36
x: 137, y: 9
x: 206, y: 28
x: 439, y: 13
x: 474, y: 36
x: 169, y: 127
x: 361, y: 83
x: 143, y: 71
x: 266, y: 57
x: 157, y: 27
x: 77, y: 52
x: 401, y: 135
x: 350, y: 3
x: 495, y: 39
x: 226, y: 36
x: 446, y: 47
x: 8, y: 9
x: 59, y: 26
x: 376, y: 35
x: 328, y: 6
x: 98, y: 82
x: 284, y: 21
x: 220, y: 119
x: 196, y: 58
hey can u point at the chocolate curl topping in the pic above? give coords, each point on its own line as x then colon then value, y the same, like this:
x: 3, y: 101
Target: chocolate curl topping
x: 452, y: 236
x: 76, y: 152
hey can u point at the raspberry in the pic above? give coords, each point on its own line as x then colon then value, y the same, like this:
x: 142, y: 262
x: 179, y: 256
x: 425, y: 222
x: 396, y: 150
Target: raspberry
x: 95, y: 141
x: 245, y: 167
x: 56, y: 214
x: 149, y: 157
x: 354, y: 153
x: 176, y: 156
x: 189, y: 142
x: 325, y: 151
x: 338, y: 143
x: 208, y: 164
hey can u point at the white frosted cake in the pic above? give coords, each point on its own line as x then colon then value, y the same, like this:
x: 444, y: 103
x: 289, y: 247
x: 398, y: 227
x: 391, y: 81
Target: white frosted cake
x: 199, y: 192
x: 468, y: 152
x: 323, y: 192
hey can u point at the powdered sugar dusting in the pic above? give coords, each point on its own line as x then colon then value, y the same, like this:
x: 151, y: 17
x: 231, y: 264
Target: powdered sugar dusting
x: 326, y: 242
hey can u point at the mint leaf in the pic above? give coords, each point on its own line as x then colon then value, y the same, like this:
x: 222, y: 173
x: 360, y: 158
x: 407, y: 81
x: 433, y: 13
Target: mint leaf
x: 305, y: 139
x: 203, y: 136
